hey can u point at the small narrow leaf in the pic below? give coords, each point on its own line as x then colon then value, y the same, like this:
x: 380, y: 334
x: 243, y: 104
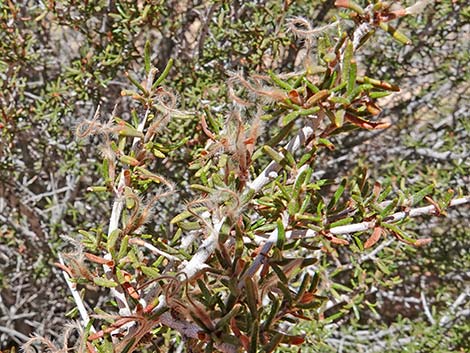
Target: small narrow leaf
x: 164, y: 74
x: 136, y: 83
x: 251, y: 297
x: 289, y: 118
x: 279, y: 82
x: 397, y: 35
x: 339, y: 191
x: 150, y: 271
x: 103, y: 282
x: 374, y: 238
x: 281, y: 235
x: 317, y: 97
x: 129, y: 160
x: 347, y: 57
x: 112, y: 239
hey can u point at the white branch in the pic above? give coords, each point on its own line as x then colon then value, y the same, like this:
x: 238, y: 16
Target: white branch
x: 187, y: 329
x: 424, y: 302
x: 76, y: 297
x: 263, y: 253
x: 263, y: 178
x: 363, y: 226
x: 153, y: 249
x: 117, y: 293
x: 197, y: 262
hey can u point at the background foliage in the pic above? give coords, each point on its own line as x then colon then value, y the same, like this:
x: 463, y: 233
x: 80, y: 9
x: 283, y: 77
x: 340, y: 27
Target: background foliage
x: 61, y: 59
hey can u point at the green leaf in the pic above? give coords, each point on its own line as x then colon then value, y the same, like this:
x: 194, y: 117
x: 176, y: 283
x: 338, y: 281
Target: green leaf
x: 164, y: 74
x: 224, y: 320
x: 396, y: 34
x: 103, y: 282
x: 341, y: 222
x: 186, y: 214
x: 112, y: 239
x: 254, y: 337
x: 281, y: 235
x: 123, y: 247
x: 150, y: 272
x: 419, y: 196
x: 282, y: 84
x: 347, y: 57
x: 287, y: 119
x: 275, y: 155
x: 337, y: 195
x: 251, y: 296
x: 352, y: 77
x: 136, y: 83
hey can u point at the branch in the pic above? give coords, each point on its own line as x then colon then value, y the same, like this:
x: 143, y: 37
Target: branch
x: 187, y: 329
x: 363, y: 226
x: 76, y: 297
x: 264, y: 177
x: 117, y: 293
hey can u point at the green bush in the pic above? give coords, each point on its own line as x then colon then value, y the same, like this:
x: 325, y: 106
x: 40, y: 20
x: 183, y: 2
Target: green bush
x: 245, y: 188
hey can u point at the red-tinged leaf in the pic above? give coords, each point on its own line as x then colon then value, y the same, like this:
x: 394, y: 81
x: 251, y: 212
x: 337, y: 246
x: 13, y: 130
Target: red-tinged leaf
x: 317, y: 97
x: 129, y: 160
x: 336, y: 240
x: 373, y: 108
x: 295, y: 97
x: 437, y: 208
x: 300, y: 316
x: 149, y: 308
x: 328, y: 130
x: 249, y: 141
x: 349, y: 4
x: 90, y: 348
x: 96, y: 335
x: 201, y: 313
x: 376, y: 190
x: 233, y: 325
x: 423, y: 242
x: 295, y: 340
x: 206, y: 130
x: 127, y: 275
x: 127, y: 177
x: 245, y: 342
x: 264, y: 270
x: 366, y: 124
x: 374, y: 238
x: 131, y: 290
x: 201, y: 336
x: 307, y: 298
x: 99, y: 260
x: 64, y: 268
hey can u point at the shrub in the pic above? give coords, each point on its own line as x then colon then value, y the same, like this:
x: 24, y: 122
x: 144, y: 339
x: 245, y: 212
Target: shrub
x: 277, y: 229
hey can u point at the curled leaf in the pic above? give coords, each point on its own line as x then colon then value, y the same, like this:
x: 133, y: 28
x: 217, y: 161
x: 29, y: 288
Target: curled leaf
x: 365, y: 124
x: 374, y: 238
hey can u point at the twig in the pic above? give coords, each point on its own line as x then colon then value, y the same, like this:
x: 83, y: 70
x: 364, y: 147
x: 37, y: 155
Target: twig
x: 460, y: 299
x: 187, y: 329
x: 38, y: 197
x: 363, y: 226
x: 424, y: 302
x: 153, y: 249
x: 117, y: 293
x: 263, y: 178
x: 15, y: 335
x: 261, y: 257
x: 76, y: 297
x: 197, y: 262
